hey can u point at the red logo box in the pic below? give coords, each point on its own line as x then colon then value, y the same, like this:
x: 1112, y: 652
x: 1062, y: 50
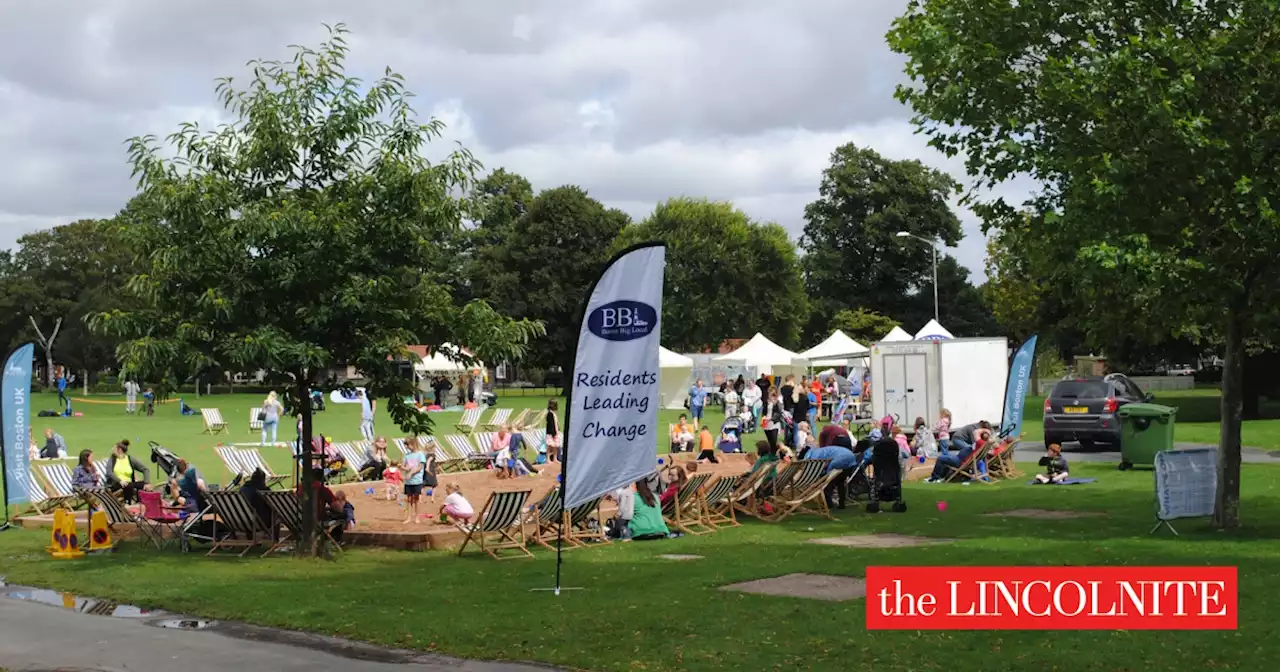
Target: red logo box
x: 1051, y: 598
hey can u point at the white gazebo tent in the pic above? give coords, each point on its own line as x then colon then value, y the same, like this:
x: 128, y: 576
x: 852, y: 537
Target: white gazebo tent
x: 897, y: 335
x: 674, y: 378
x: 837, y: 350
x: 933, y: 332
x: 767, y: 357
x: 435, y: 362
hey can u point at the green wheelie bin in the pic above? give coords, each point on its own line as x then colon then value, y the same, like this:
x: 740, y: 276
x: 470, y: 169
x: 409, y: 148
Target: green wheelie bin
x: 1145, y: 429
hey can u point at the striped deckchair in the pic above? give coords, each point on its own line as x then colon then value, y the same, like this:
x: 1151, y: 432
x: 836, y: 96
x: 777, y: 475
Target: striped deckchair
x: 546, y: 517
x: 969, y: 468
x: 497, y: 419
x: 470, y: 418
x: 234, y: 514
x: 252, y: 459
x: 521, y: 421
x: 354, y: 458
x: 255, y: 425
x: 58, y: 477
x: 535, y: 440
x: 213, y: 422
x: 42, y: 503
x: 286, y: 508
x: 232, y: 460
x: 499, y: 525
x: 744, y: 498
x: 464, y: 452
x: 717, y: 502
x: 681, y: 512
x: 102, y: 469
x: 578, y: 524
x: 401, y: 446
x: 118, y: 515
x: 798, y: 486
x: 484, y: 440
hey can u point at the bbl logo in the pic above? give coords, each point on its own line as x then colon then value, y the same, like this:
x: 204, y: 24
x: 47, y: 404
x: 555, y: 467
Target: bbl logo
x: 622, y: 320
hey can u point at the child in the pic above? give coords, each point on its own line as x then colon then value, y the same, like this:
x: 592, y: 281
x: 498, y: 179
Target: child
x: 924, y: 442
x: 455, y: 505
x: 707, y: 445
x: 804, y: 438
x: 348, y: 509
x: 942, y: 432
x: 900, y: 438
x: 682, y: 436
x: 626, y: 499
x: 1055, y: 466
x: 149, y: 398
x: 393, y: 479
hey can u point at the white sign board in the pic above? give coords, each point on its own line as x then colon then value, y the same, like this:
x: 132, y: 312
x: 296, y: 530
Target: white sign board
x: 1186, y: 483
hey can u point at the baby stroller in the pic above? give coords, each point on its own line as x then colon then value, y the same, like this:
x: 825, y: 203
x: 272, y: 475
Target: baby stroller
x: 886, y: 480
x: 164, y: 459
x: 731, y: 435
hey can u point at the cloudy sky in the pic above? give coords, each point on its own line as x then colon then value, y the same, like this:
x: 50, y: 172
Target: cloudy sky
x: 635, y: 100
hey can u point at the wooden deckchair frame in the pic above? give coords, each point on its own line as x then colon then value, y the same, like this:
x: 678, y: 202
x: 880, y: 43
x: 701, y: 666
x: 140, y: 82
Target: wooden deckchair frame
x: 969, y: 467
x: 498, y: 418
x: 213, y: 421
x: 482, y: 529
x: 744, y: 498
x: 805, y: 488
x: 470, y: 418
x: 577, y: 528
x: 233, y: 512
x: 681, y: 512
x: 717, y: 502
x: 547, y: 517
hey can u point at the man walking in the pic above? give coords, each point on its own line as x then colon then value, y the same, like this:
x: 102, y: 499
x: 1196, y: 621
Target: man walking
x: 697, y: 402
x: 366, y: 415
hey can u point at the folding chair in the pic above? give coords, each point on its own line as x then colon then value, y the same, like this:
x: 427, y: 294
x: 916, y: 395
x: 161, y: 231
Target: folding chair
x: 521, y: 421
x: 546, y: 518
x: 42, y: 503
x: 681, y: 511
x: 500, y: 516
x: 232, y: 460
x: 470, y: 418
x: 353, y: 457
x: 252, y: 459
x: 255, y: 425
x: 535, y: 440
x: 451, y: 456
x: 156, y: 517
x: 287, y: 510
x: 234, y: 513
x: 805, y: 486
x: 717, y: 502
x: 498, y: 419
x: 969, y: 467
x: 463, y: 453
x: 745, y: 499
x: 58, y: 477
x: 578, y: 524
x: 118, y: 515
x: 213, y: 422
x: 1003, y: 464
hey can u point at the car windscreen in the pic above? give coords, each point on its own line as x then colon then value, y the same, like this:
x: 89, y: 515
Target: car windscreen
x: 1081, y: 389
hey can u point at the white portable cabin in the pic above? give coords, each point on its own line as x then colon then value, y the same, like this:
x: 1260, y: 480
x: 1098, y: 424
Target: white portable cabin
x: 911, y: 379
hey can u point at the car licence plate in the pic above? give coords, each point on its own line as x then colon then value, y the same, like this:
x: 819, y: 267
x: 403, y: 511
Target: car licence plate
x: 1075, y: 409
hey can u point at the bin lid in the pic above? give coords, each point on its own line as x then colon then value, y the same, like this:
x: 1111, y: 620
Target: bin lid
x: 1146, y: 411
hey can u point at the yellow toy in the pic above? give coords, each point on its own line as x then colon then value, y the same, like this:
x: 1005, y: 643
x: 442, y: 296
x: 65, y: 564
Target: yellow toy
x: 99, y: 533
x: 65, y: 543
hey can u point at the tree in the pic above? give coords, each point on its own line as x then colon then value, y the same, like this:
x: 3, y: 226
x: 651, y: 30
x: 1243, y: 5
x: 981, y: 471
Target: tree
x: 1152, y: 130
x: 58, y: 276
x: 852, y: 252
x: 541, y: 266
x: 862, y: 325
x: 300, y: 237
x: 725, y: 274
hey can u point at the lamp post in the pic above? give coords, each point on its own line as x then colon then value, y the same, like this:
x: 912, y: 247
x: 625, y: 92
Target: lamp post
x: 934, y: 246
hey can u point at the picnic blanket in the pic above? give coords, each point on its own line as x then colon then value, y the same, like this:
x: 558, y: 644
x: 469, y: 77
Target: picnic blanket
x: 1065, y: 481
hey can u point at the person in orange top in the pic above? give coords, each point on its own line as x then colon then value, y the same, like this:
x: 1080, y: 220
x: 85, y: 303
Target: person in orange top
x: 816, y: 388
x: 707, y: 445
x: 682, y: 436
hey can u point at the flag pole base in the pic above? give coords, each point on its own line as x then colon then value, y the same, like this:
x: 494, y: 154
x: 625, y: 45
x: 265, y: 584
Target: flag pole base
x: 555, y: 590
x: 6, y: 526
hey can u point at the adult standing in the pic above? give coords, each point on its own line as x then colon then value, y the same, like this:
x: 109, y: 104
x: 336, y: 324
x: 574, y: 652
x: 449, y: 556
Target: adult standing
x: 772, y: 420
x: 740, y: 385
x: 787, y: 393
x: 270, y: 414
x: 366, y: 415
x: 131, y: 391
x: 554, y: 440
x: 697, y: 402
x: 126, y: 473
x: 476, y: 393
x: 752, y: 400
x: 764, y: 384
x: 462, y: 390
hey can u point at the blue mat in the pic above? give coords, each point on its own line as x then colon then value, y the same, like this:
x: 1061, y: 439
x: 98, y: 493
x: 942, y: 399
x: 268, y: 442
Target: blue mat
x: 1065, y: 481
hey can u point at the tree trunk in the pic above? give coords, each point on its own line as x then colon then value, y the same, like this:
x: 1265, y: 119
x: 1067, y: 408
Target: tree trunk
x: 306, y: 545
x: 1227, y: 505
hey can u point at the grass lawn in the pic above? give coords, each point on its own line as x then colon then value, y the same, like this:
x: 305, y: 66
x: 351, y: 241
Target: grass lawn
x: 639, y: 612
